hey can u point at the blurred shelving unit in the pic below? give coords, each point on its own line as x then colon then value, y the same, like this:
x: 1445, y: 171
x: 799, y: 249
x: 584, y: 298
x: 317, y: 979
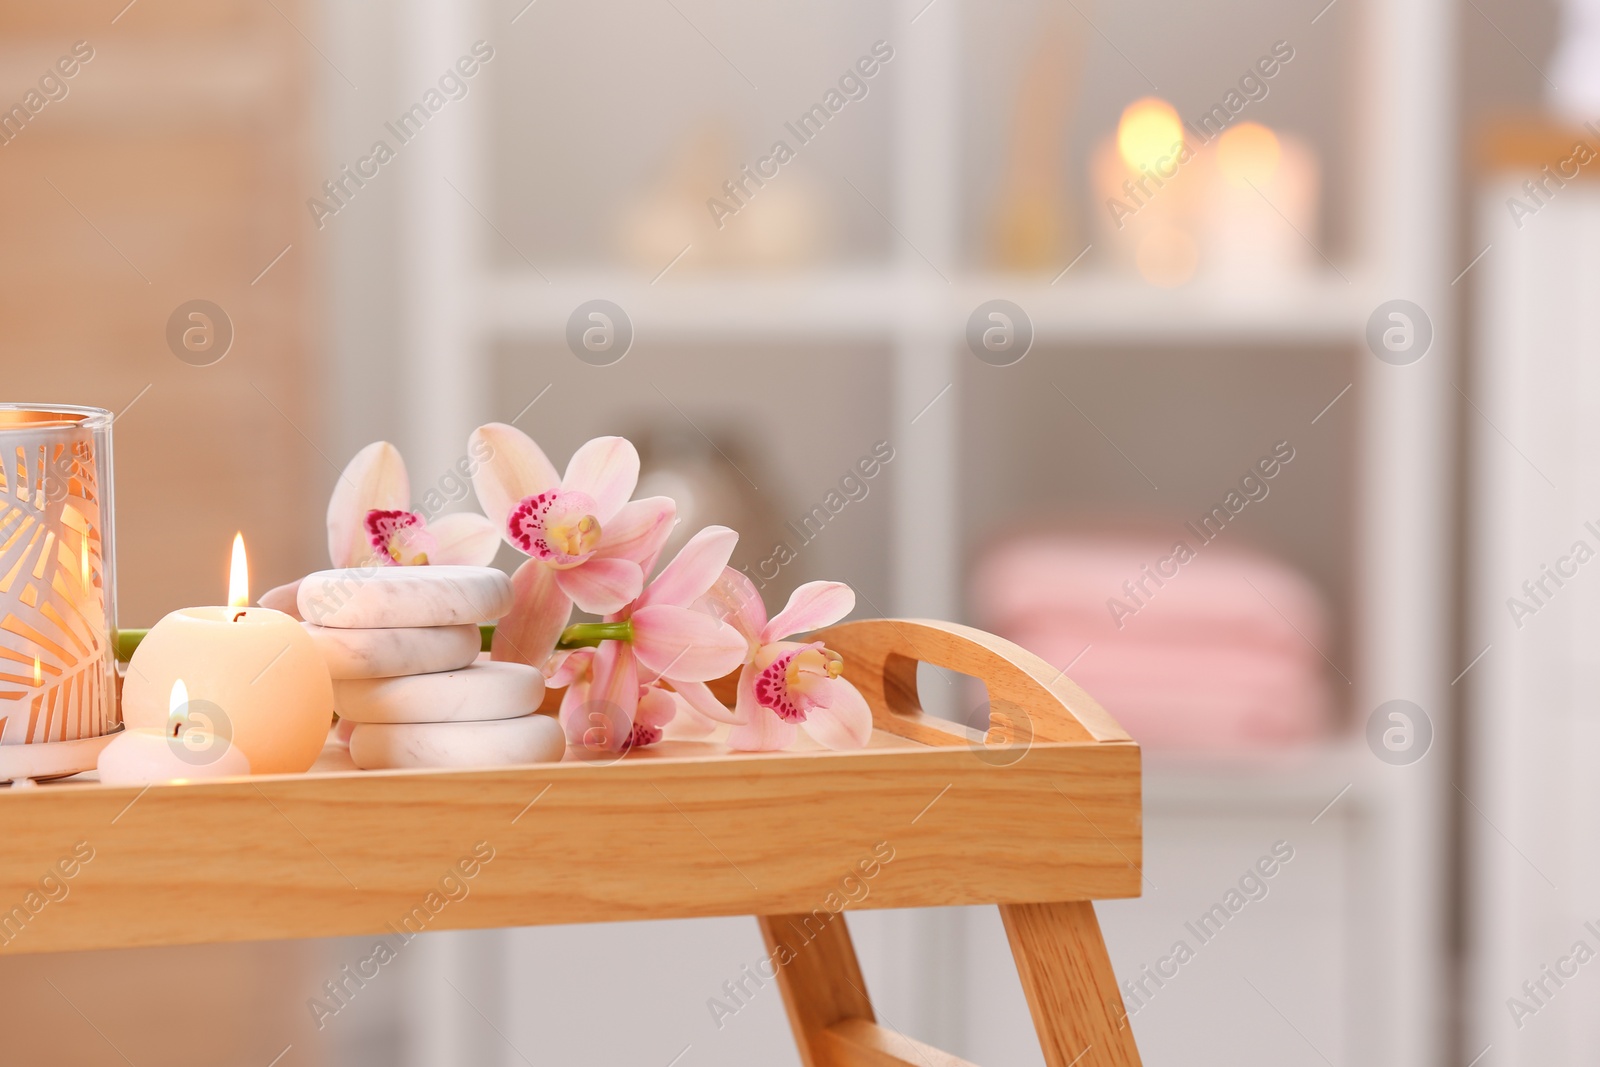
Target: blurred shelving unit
x: 455, y: 308
x: 881, y: 305
x: 1299, y: 781
x: 1535, y: 610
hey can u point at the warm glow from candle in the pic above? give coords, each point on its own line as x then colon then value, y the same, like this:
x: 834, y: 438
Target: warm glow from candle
x: 1148, y: 131
x: 238, y: 575
x: 1248, y: 154
x: 1167, y: 256
x: 38, y: 671
x: 176, y: 705
x: 83, y: 560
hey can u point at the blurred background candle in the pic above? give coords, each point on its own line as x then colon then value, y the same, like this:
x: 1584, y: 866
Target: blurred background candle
x: 1148, y: 180
x: 1260, y: 218
x: 272, y: 697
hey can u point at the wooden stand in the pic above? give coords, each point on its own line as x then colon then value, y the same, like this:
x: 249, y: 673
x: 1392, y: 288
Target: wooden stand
x: 1040, y: 825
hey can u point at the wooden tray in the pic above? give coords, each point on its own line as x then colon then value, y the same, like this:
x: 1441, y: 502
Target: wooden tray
x: 1040, y: 826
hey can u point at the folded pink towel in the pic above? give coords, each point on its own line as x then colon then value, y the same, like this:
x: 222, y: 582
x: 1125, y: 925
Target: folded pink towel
x: 1203, y: 647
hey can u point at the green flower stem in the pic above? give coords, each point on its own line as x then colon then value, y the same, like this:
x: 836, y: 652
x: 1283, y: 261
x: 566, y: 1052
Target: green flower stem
x: 582, y: 635
x: 127, y: 641
x: 590, y: 634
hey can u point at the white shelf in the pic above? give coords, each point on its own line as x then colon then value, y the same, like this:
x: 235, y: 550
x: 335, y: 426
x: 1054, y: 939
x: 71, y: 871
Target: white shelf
x: 878, y: 304
x: 455, y: 305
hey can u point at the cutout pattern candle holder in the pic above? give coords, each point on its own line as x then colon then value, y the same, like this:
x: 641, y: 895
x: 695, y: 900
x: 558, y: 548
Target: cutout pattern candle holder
x: 58, y: 703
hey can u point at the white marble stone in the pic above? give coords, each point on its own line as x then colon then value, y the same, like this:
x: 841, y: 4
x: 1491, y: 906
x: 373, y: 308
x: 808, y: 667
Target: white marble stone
x: 392, y: 651
x: 487, y: 690
x: 386, y: 597
x: 504, y: 743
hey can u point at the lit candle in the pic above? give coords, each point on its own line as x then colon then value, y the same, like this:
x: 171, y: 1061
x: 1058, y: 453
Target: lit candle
x: 1148, y: 180
x: 256, y: 667
x: 186, y: 748
x: 1261, y: 210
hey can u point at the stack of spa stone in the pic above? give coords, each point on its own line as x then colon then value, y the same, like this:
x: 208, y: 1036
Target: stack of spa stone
x: 402, y: 645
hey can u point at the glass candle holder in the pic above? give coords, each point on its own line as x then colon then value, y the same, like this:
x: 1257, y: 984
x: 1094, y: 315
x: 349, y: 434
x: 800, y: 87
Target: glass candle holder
x: 58, y: 697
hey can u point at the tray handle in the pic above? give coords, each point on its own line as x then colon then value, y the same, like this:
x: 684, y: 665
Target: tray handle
x: 881, y: 657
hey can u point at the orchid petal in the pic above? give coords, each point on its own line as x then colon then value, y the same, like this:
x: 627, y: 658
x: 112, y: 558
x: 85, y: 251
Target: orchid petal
x: 698, y: 696
x: 512, y: 469
x: 465, y: 539
x: 607, y: 469
x: 284, y: 598
x: 813, y: 605
x: 734, y: 599
x: 656, y: 707
x: 539, y: 612
x: 574, y: 705
x: 568, y: 667
x: 682, y: 643
x: 696, y: 567
x: 601, y: 586
x: 638, y: 530
x: 613, y: 697
x: 688, y: 724
x: 844, y: 722
x: 759, y: 730
x: 374, y: 479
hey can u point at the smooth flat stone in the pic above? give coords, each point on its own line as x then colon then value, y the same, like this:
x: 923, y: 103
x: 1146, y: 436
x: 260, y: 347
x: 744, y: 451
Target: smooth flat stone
x: 386, y: 597
x: 483, y: 691
x: 395, y: 650
x: 504, y: 743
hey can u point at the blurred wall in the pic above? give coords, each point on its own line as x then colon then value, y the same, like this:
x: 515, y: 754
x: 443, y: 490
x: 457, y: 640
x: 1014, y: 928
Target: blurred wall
x: 172, y: 170
x: 169, y: 167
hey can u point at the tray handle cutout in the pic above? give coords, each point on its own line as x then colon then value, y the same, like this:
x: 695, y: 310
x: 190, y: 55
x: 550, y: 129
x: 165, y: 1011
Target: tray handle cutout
x: 881, y: 657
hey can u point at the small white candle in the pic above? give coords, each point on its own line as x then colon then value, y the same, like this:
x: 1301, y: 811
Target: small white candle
x: 185, y: 750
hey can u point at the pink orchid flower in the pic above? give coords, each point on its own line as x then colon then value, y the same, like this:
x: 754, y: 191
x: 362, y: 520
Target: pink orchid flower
x: 587, y: 543
x: 616, y: 694
x: 593, y: 721
x: 370, y: 524
x: 788, y: 685
x: 369, y: 520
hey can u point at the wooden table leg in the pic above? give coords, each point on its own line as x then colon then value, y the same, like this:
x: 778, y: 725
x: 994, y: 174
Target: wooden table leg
x: 827, y: 1000
x: 1071, y: 989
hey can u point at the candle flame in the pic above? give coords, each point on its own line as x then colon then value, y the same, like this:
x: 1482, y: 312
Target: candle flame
x: 176, y: 704
x: 238, y: 575
x: 1149, y: 132
x: 1248, y: 154
x: 83, y: 560
x: 38, y: 671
